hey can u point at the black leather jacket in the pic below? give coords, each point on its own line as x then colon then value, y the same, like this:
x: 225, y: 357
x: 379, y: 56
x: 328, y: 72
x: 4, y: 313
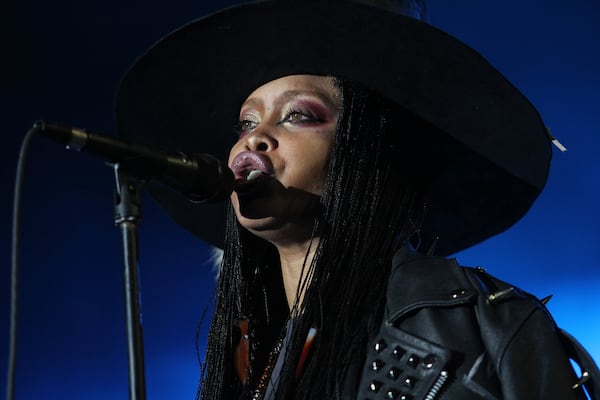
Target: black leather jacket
x: 456, y: 333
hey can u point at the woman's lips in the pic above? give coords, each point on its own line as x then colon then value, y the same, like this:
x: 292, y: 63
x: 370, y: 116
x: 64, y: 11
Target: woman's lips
x: 249, y: 166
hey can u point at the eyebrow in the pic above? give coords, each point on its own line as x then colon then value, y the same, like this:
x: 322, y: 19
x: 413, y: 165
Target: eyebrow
x: 289, y: 95
x: 324, y: 97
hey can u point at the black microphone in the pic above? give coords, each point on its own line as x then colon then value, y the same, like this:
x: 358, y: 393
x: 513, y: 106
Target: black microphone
x: 200, y: 177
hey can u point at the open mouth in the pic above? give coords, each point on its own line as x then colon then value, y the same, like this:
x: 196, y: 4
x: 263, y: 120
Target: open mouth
x: 254, y: 175
x: 249, y: 169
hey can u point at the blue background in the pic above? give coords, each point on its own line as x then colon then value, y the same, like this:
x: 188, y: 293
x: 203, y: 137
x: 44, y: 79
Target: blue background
x: 62, y: 60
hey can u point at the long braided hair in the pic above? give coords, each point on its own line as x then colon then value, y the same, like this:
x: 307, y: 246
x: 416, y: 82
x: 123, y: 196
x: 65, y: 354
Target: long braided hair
x: 372, y: 202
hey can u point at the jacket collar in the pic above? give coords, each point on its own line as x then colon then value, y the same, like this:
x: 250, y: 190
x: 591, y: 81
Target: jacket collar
x: 418, y: 281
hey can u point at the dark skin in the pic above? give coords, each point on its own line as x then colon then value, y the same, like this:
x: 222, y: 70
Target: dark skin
x: 287, y: 128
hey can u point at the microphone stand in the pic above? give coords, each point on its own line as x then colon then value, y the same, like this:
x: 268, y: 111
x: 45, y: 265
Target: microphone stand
x: 128, y: 210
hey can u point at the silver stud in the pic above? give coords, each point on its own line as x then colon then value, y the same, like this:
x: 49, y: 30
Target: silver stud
x: 585, y: 376
x: 375, y: 386
x: 501, y: 295
x: 409, y: 382
x: 546, y: 299
x: 377, y: 365
x: 394, y: 373
x: 398, y: 352
x: 458, y: 293
x: 429, y: 361
x: 413, y: 361
x: 380, y: 345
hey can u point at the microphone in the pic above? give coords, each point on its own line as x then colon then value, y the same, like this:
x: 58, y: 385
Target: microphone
x: 200, y: 177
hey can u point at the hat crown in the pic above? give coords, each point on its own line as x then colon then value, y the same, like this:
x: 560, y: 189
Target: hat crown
x: 416, y: 9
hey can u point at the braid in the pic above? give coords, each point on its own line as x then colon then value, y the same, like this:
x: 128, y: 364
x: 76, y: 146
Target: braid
x: 250, y: 286
x: 373, y: 197
x: 216, y: 369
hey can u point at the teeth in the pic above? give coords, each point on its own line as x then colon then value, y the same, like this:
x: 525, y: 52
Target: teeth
x: 255, y: 173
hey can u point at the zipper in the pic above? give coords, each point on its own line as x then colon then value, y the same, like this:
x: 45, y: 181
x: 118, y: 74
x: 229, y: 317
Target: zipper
x: 437, y: 386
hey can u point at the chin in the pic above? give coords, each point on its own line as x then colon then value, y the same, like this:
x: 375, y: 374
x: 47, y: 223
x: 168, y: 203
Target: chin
x: 258, y: 225
x: 276, y: 230
x: 287, y: 216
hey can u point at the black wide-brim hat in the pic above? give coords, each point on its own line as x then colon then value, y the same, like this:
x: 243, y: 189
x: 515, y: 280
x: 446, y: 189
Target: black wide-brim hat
x: 184, y: 94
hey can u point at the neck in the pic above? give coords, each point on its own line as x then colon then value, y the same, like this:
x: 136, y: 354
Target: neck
x: 295, y: 259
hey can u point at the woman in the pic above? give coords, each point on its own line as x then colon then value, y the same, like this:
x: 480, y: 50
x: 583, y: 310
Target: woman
x: 351, y: 150
x: 287, y: 132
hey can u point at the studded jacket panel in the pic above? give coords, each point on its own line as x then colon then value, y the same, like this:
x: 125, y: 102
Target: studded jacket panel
x: 456, y: 333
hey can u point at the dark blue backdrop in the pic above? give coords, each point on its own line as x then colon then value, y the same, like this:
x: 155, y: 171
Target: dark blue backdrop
x: 62, y: 60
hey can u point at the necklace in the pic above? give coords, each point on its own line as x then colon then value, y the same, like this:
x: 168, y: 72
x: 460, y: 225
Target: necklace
x: 263, y: 382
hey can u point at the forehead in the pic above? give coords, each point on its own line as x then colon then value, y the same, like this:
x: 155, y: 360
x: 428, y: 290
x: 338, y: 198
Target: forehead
x: 322, y: 87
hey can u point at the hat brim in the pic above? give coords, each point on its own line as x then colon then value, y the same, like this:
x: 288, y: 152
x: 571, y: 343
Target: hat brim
x: 184, y: 93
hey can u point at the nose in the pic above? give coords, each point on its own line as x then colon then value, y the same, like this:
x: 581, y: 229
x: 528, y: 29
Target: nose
x: 261, y: 140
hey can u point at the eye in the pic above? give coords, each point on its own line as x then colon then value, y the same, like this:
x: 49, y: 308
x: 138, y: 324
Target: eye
x: 300, y: 117
x: 244, y: 126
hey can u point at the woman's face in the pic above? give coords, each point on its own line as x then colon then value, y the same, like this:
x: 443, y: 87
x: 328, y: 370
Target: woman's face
x: 286, y: 129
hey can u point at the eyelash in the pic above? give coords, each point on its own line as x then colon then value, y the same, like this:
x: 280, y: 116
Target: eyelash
x: 245, y: 126
x: 307, y: 117
x: 241, y: 129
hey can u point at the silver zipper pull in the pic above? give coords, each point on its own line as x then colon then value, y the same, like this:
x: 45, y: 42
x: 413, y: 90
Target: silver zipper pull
x: 437, y: 386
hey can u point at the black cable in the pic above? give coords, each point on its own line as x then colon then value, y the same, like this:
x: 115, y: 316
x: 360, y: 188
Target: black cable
x: 14, y: 298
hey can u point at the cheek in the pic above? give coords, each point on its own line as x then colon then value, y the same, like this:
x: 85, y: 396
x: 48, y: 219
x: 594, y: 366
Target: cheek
x: 310, y: 167
x: 324, y: 164
x: 321, y: 177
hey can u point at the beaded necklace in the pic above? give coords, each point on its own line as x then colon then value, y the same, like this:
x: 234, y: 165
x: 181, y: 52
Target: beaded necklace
x: 242, y: 358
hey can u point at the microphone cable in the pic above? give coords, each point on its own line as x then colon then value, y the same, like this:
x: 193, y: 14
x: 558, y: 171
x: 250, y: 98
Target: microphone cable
x: 14, y: 277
